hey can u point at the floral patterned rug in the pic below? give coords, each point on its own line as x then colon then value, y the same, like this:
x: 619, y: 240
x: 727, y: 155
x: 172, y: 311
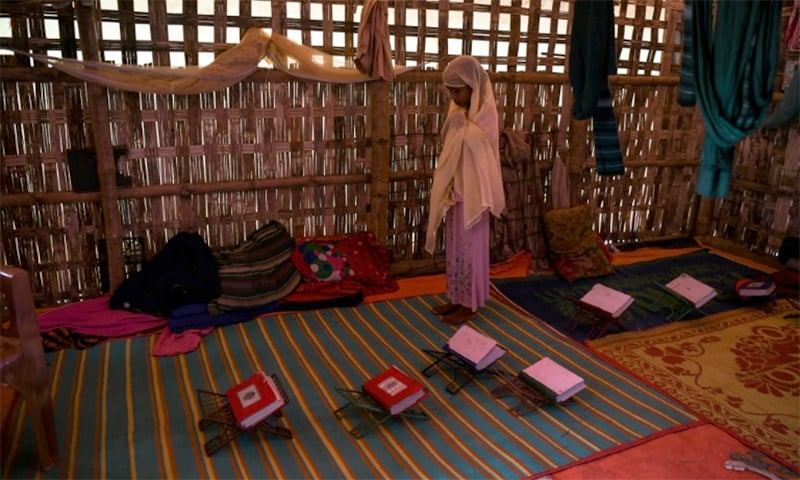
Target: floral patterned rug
x: 740, y: 369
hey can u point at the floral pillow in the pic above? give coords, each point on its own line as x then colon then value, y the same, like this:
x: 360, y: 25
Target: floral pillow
x: 576, y: 250
x: 357, y: 257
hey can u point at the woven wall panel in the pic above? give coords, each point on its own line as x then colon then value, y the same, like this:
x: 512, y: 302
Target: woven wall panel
x: 224, y: 163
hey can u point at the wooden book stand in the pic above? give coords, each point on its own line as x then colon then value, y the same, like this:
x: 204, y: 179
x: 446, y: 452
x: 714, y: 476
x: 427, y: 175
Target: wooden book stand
x: 217, y: 411
x: 675, y: 306
x: 597, y: 319
x: 463, y: 372
x: 529, y: 398
x: 371, y: 412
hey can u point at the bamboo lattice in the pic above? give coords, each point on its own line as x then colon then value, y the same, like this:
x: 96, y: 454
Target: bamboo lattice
x: 274, y: 147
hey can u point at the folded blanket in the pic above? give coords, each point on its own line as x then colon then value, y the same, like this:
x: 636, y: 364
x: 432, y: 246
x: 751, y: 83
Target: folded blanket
x: 198, y: 316
x: 96, y: 317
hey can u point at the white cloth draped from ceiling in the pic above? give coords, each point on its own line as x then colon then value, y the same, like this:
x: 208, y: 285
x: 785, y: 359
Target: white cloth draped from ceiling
x: 470, y: 157
x: 229, y: 68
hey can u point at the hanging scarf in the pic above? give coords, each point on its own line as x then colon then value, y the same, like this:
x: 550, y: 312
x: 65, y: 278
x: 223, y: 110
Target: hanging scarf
x: 686, y: 96
x: 735, y: 61
x: 788, y: 109
x: 592, y: 58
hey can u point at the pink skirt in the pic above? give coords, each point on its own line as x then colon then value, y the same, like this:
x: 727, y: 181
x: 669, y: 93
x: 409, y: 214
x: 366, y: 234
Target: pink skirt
x: 467, y: 256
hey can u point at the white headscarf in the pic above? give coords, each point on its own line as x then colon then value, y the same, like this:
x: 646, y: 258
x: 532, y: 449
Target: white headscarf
x: 471, y: 153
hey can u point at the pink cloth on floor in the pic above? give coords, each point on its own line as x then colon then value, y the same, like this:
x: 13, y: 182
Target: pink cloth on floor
x: 169, y: 343
x: 95, y: 317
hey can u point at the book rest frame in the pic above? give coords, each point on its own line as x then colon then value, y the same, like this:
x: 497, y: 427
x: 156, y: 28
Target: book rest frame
x: 676, y: 306
x: 216, y: 410
x: 529, y: 398
x: 372, y: 414
x: 463, y: 372
x: 598, y: 320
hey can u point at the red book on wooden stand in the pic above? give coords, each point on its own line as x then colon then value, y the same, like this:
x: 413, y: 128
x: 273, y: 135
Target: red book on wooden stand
x: 254, y: 399
x: 394, y: 390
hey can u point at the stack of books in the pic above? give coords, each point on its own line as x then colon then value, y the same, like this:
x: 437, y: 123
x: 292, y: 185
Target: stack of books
x: 693, y: 290
x: 254, y: 400
x: 394, y: 391
x: 553, y: 380
x: 474, y: 348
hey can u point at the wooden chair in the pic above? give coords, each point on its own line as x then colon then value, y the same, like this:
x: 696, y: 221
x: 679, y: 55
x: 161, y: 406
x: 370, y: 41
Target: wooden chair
x: 22, y: 362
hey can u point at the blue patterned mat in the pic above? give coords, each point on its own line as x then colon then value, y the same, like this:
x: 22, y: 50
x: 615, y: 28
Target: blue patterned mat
x: 546, y: 297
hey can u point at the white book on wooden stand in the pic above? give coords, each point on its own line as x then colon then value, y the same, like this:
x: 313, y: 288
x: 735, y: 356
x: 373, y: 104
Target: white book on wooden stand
x: 693, y: 290
x: 608, y: 299
x: 553, y: 379
x: 474, y: 347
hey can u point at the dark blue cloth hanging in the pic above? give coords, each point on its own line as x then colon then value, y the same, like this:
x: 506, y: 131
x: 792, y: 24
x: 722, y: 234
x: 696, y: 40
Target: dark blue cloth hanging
x: 686, y: 95
x: 592, y: 59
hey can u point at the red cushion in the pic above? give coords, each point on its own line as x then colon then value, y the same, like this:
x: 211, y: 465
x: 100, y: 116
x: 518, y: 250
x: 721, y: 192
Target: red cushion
x: 357, y: 257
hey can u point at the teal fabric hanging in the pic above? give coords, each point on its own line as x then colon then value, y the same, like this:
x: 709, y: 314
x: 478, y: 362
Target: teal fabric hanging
x: 735, y: 61
x: 788, y: 109
x: 686, y: 96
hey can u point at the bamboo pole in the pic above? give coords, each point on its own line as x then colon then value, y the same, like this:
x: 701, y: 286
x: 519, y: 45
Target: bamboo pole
x: 543, y: 78
x: 578, y: 153
x: 106, y: 163
x: 379, y: 182
x: 412, y: 76
x: 703, y: 220
x: 153, y: 191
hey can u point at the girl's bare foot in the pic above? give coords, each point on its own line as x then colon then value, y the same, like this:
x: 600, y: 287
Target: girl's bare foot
x: 461, y: 315
x: 445, y: 309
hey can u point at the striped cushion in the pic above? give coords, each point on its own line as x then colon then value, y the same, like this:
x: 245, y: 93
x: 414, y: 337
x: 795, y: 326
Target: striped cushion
x: 258, y: 271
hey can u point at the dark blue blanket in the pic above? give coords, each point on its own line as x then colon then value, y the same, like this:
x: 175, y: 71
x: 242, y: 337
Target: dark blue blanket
x: 547, y: 297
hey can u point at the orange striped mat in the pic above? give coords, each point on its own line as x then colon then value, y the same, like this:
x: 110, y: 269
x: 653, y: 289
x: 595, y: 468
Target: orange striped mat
x: 124, y: 413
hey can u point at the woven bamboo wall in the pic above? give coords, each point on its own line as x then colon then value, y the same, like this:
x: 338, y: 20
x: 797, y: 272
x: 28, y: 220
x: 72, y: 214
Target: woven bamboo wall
x: 275, y: 147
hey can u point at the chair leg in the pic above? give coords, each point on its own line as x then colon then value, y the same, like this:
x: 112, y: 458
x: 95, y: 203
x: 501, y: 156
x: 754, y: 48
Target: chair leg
x: 10, y: 400
x: 40, y: 412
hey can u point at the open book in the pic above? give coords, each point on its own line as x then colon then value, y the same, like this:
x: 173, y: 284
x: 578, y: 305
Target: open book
x: 474, y: 347
x: 692, y: 289
x: 607, y: 299
x: 552, y: 379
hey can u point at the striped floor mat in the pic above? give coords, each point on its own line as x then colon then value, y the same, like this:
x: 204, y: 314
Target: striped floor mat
x: 123, y: 413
